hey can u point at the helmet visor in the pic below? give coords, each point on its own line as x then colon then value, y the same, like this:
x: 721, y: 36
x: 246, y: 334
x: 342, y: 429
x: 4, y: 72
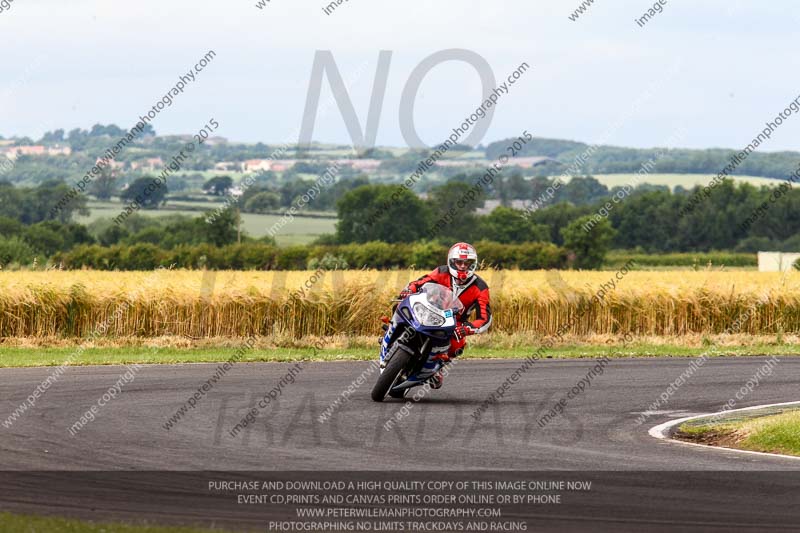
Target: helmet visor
x: 463, y: 265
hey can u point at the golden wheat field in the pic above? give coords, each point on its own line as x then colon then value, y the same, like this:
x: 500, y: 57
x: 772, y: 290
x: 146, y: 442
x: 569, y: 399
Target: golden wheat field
x: 207, y: 304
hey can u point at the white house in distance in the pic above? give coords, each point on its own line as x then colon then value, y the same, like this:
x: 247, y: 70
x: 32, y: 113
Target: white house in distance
x: 228, y: 166
x: 776, y: 261
x: 12, y: 152
x: 276, y: 165
x: 491, y: 205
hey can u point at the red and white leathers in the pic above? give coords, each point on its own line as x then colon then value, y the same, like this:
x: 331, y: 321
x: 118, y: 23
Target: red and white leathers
x: 474, y: 294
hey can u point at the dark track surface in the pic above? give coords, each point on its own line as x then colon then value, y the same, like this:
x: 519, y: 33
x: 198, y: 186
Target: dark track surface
x: 598, y: 431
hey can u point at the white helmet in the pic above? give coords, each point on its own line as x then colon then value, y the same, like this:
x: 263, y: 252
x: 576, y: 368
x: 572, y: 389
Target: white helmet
x: 462, y: 261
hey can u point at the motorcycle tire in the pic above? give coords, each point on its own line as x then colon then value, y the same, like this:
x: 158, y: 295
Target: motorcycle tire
x: 397, y: 363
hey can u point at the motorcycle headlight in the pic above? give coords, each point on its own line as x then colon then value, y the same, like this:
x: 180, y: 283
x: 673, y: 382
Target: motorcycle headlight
x: 427, y: 317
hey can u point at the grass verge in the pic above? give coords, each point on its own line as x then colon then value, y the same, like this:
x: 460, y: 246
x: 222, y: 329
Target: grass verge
x: 775, y: 433
x: 40, y: 524
x: 55, y: 356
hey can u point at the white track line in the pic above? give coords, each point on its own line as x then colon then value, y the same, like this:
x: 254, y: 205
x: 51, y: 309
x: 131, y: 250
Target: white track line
x: 662, y: 431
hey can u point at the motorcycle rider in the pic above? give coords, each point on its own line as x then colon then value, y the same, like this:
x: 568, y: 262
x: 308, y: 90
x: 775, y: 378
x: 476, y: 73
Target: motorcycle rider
x: 459, y: 276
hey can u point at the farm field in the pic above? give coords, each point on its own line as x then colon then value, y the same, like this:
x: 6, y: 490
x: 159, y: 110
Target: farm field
x: 687, y: 181
x: 301, y: 230
x: 290, y: 305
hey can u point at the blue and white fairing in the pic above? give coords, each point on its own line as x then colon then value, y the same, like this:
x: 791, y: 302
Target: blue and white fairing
x: 425, y: 321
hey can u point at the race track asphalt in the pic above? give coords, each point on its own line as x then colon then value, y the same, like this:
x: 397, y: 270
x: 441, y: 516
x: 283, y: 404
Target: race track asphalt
x: 600, y: 433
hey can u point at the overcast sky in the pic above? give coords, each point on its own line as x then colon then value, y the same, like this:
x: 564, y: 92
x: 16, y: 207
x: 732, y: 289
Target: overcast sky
x: 715, y: 69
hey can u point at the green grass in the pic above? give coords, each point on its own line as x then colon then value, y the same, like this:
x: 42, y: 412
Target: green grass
x: 39, y: 524
x: 301, y: 230
x: 25, y: 357
x: 776, y: 434
x: 752, y: 430
x: 112, y: 209
x: 195, y: 204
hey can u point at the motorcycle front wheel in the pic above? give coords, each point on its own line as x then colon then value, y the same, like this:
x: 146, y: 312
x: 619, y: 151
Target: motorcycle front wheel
x: 397, y: 363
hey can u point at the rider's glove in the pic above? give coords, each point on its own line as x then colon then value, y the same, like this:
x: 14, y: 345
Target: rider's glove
x: 463, y: 331
x: 405, y: 293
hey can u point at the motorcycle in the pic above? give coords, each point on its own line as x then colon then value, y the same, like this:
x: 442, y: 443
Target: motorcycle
x: 423, y: 323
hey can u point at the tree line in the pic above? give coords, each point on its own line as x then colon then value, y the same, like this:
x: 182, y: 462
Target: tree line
x: 646, y: 219
x: 618, y: 160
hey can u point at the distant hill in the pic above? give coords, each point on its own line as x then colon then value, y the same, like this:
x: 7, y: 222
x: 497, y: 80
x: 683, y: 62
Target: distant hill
x: 59, y: 154
x: 616, y: 160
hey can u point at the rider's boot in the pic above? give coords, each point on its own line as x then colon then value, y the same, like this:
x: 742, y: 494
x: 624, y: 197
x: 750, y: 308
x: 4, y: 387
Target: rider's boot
x: 437, y: 380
